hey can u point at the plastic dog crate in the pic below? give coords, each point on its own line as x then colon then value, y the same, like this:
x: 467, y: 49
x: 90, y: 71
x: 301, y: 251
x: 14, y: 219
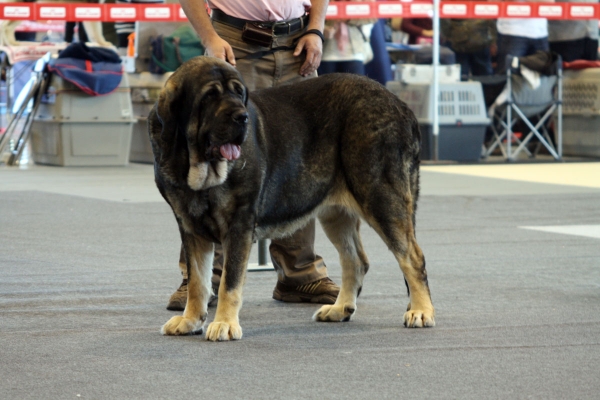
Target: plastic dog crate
x: 72, y: 128
x: 416, y: 73
x: 145, y: 89
x: 462, y: 117
x: 581, y: 112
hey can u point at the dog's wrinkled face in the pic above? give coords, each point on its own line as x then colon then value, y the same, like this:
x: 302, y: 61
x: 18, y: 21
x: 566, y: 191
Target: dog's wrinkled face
x: 205, y: 102
x: 224, y: 125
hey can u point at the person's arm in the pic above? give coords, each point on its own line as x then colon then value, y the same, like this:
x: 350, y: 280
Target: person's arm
x: 312, y: 43
x: 195, y: 11
x: 413, y: 29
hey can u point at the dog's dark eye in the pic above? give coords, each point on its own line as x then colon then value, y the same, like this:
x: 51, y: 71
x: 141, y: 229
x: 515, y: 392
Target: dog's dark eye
x: 212, y: 93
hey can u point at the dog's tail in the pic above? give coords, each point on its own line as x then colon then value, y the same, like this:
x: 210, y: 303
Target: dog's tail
x: 414, y: 163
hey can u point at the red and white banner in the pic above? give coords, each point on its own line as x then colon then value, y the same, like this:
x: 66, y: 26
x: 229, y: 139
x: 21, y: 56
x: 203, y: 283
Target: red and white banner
x: 336, y: 10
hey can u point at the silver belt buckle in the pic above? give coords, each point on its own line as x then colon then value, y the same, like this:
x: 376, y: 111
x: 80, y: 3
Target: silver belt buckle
x: 282, y: 23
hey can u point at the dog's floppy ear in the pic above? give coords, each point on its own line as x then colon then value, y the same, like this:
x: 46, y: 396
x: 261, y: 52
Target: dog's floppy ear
x: 162, y: 123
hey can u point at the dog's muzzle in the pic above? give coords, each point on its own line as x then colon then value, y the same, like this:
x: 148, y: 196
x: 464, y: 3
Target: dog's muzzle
x: 231, y: 150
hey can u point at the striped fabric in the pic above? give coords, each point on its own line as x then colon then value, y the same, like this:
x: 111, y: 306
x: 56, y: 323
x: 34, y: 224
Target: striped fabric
x: 125, y: 28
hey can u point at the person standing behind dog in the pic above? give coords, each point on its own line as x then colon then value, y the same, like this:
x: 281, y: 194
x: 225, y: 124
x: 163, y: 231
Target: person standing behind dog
x: 346, y: 47
x: 518, y: 37
x: 284, y: 47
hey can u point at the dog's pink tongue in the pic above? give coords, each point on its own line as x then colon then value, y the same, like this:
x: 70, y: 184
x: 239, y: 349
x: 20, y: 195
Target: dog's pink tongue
x: 230, y: 151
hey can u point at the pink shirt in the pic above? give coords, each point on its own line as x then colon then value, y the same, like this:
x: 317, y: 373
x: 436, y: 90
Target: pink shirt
x: 262, y: 10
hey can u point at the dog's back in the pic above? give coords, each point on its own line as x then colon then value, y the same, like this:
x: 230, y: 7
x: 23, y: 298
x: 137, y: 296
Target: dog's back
x: 335, y: 132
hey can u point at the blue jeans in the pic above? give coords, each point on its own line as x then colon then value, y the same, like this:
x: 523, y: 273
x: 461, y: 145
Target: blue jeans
x: 351, y: 67
x: 478, y: 63
x: 380, y: 67
x: 518, y: 46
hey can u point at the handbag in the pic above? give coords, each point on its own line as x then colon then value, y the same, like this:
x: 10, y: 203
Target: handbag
x: 169, y: 52
x: 365, y: 31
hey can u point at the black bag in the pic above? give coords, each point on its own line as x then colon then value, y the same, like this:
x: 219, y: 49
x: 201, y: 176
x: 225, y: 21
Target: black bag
x: 169, y: 52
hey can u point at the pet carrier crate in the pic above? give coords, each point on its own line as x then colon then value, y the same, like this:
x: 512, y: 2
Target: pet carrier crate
x: 145, y: 89
x: 415, y: 73
x: 462, y: 117
x: 72, y: 128
x: 581, y: 112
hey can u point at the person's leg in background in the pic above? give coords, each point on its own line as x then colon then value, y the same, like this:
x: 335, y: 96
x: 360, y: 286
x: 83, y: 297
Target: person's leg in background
x: 380, y: 68
x: 538, y: 44
x: 81, y: 33
x: 69, y: 31
x: 348, y: 67
x: 327, y: 67
x: 465, y: 65
x: 510, y: 45
x: 481, y: 63
x: 352, y: 67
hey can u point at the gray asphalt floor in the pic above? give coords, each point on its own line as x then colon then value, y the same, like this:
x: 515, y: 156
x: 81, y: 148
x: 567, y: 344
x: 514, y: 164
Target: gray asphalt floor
x: 88, y: 260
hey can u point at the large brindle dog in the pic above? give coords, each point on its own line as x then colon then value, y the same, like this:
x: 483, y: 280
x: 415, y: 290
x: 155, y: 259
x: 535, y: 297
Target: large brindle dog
x: 236, y: 167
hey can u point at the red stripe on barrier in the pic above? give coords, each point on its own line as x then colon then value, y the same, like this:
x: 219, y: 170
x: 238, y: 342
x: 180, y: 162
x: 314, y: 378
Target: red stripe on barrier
x: 57, y: 12
x: 131, y: 12
x: 389, y: 9
x: 18, y: 11
x: 335, y: 10
x: 89, y: 12
x: 486, y: 10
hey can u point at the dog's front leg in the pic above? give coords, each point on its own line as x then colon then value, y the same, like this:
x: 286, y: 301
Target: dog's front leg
x: 226, y: 325
x: 199, y: 253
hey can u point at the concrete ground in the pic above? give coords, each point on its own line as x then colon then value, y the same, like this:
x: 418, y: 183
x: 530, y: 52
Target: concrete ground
x: 88, y: 259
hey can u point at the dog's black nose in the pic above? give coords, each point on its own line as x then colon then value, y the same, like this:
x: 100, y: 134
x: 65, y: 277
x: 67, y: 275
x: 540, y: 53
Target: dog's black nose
x: 241, y: 117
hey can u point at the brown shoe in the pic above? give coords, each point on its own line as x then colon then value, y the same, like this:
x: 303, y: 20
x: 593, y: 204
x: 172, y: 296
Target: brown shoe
x: 323, y: 291
x: 178, y: 299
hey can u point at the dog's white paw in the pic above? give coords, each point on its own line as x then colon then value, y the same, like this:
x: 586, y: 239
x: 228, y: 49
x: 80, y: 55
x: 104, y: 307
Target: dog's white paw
x: 180, y: 325
x: 419, y: 319
x: 335, y: 313
x: 222, y: 331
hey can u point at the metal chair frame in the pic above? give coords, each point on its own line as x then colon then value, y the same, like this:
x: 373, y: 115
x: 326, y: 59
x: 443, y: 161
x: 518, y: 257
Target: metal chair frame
x: 505, y: 120
x: 33, y: 90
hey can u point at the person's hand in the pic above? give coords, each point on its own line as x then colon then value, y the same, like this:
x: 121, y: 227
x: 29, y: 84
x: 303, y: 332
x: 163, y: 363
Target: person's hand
x: 329, y: 32
x: 493, y: 49
x: 313, y: 46
x: 427, y: 33
x: 217, y: 47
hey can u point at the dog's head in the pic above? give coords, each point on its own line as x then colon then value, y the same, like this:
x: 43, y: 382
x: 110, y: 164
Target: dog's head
x: 199, y: 123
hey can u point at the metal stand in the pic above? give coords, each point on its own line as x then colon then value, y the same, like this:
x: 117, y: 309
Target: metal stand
x: 34, y: 90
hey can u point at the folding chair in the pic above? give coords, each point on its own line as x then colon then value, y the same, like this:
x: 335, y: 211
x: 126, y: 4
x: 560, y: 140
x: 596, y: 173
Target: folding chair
x: 534, y: 107
x: 24, y: 109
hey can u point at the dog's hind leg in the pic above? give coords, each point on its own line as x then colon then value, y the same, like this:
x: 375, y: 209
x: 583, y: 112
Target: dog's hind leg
x: 342, y: 229
x: 199, y: 255
x: 396, y: 227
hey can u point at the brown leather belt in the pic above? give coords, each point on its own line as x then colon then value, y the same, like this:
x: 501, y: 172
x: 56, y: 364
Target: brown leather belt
x: 278, y: 28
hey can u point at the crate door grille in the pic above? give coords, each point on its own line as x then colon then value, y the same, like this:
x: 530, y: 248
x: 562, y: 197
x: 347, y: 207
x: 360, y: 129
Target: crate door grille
x: 446, y: 105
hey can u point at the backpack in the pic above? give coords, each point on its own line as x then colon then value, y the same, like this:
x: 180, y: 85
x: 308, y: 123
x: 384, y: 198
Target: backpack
x: 169, y: 52
x: 94, y: 70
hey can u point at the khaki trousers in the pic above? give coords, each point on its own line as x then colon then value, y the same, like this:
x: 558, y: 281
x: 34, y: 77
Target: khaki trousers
x: 293, y: 258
